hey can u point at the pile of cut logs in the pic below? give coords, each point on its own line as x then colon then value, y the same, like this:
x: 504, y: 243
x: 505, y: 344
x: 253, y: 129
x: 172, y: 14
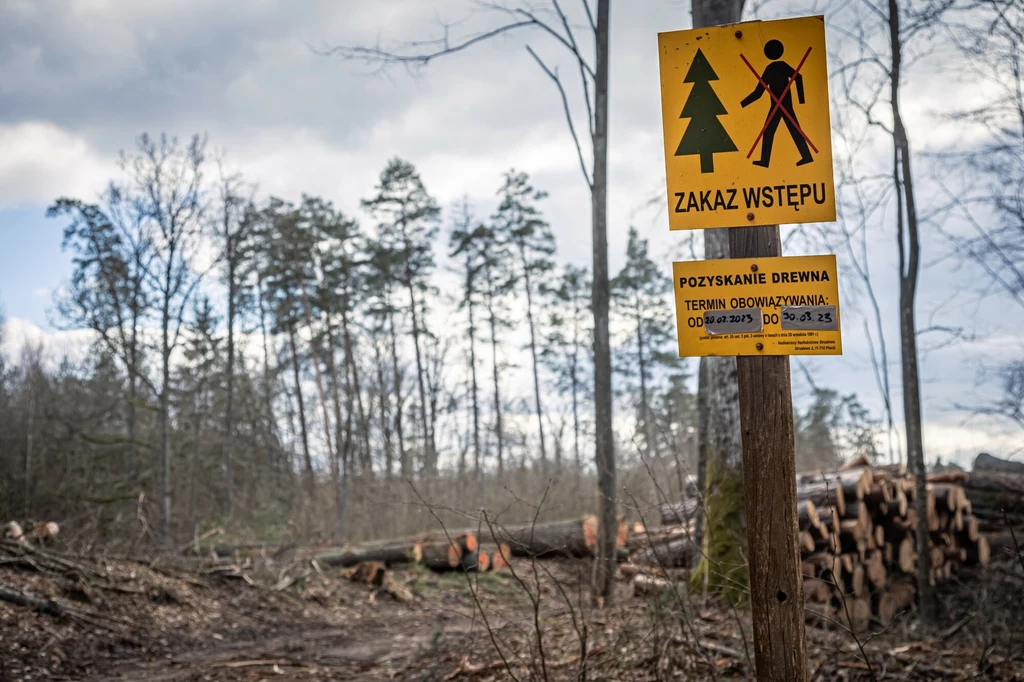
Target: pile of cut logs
x: 857, y: 537
x: 478, y: 550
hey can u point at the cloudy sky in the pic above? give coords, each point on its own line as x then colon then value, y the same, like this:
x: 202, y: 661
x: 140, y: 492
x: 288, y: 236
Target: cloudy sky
x: 78, y: 81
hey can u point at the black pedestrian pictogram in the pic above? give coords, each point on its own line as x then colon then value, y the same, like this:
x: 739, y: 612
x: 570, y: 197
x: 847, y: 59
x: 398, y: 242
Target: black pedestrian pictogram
x: 777, y: 80
x: 705, y: 135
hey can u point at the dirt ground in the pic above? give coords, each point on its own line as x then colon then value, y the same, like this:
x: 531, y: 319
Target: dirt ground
x: 278, y: 619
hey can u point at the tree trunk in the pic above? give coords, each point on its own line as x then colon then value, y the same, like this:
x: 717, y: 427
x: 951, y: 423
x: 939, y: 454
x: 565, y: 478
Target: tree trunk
x: 27, y: 490
x: 909, y: 261
x: 645, y: 413
x: 724, y: 532
x: 133, y: 395
x: 574, y: 537
x: 472, y: 371
x: 429, y: 456
x: 385, y: 417
x: 165, y: 414
x: 703, y: 444
x: 268, y: 385
x: 575, y: 411
x: 342, y: 451
x: 193, y: 475
x: 678, y: 553
x: 388, y: 554
x: 499, y: 432
x: 604, y: 451
x: 986, y: 462
x: 403, y: 455
x: 229, y: 398
x: 339, y: 493
x: 533, y: 357
x: 307, y: 459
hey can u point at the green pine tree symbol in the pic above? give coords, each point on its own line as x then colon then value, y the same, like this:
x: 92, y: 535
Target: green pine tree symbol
x: 705, y: 134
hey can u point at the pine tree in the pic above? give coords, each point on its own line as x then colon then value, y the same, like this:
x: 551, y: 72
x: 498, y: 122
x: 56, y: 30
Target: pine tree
x: 108, y: 292
x: 341, y: 291
x: 705, y: 135
x: 568, y: 345
x: 465, y: 241
x: 519, y: 222
x: 498, y: 283
x: 407, y: 219
x: 197, y: 378
x: 233, y: 231
x: 640, y: 292
x: 382, y: 272
x: 286, y: 270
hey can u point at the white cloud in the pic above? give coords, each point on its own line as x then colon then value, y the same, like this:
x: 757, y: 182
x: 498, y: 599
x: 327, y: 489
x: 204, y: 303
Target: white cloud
x: 41, y: 161
x: 20, y: 334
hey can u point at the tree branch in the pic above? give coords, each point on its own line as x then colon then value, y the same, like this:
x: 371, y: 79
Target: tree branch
x: 568, y: 113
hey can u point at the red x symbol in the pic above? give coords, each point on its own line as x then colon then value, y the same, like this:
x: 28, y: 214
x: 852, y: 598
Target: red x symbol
x: 778, y: 102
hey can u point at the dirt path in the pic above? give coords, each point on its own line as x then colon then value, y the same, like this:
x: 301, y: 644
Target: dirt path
x: 360, y: 652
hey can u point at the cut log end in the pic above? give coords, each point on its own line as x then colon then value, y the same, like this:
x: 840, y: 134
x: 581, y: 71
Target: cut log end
x: 590, y: 533
x: 621, y: 534
x: 441, y: 556
x: 978, y: 553
x: 648, y: 585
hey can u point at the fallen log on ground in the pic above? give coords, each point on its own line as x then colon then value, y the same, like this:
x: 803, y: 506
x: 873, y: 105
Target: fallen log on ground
x: 350, y: 556
x: 47, y: 606
x: 572, y: 538
x: 656, y: 536
x: 679, y: 553
x: 986, y: 462
x: 648, y: 585
x: 680, y: 513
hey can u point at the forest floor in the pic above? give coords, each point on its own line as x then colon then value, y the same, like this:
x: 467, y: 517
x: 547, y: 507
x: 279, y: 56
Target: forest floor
x: 168, y: 619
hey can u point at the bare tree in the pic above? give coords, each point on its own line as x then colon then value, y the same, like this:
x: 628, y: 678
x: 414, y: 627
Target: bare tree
x: 465, y: 241
x: 233, y: 229
x: 873, y: 75
x: 990, y: 35
x: 108, y: 292
x: 554, y: 24
x: 166, y: 191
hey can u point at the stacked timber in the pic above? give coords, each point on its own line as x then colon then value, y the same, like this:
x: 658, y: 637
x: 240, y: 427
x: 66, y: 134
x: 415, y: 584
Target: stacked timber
x: 864, y: 567
x: 858, y: 536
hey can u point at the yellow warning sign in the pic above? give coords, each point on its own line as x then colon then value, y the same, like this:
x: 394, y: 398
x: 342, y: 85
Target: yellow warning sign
x: 745, y: 114
x: 758, y: 306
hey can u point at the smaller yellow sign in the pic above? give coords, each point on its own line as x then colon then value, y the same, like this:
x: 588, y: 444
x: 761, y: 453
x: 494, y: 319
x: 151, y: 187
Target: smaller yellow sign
x: 758, y: 306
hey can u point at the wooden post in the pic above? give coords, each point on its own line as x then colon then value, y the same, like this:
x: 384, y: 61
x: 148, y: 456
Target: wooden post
x: 769, y: 481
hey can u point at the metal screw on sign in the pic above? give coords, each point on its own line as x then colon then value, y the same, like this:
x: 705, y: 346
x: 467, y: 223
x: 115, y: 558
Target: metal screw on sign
x: 753, y: 268
x: 759, y: 346
x: 750, y: 216
x: 739, y: 34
